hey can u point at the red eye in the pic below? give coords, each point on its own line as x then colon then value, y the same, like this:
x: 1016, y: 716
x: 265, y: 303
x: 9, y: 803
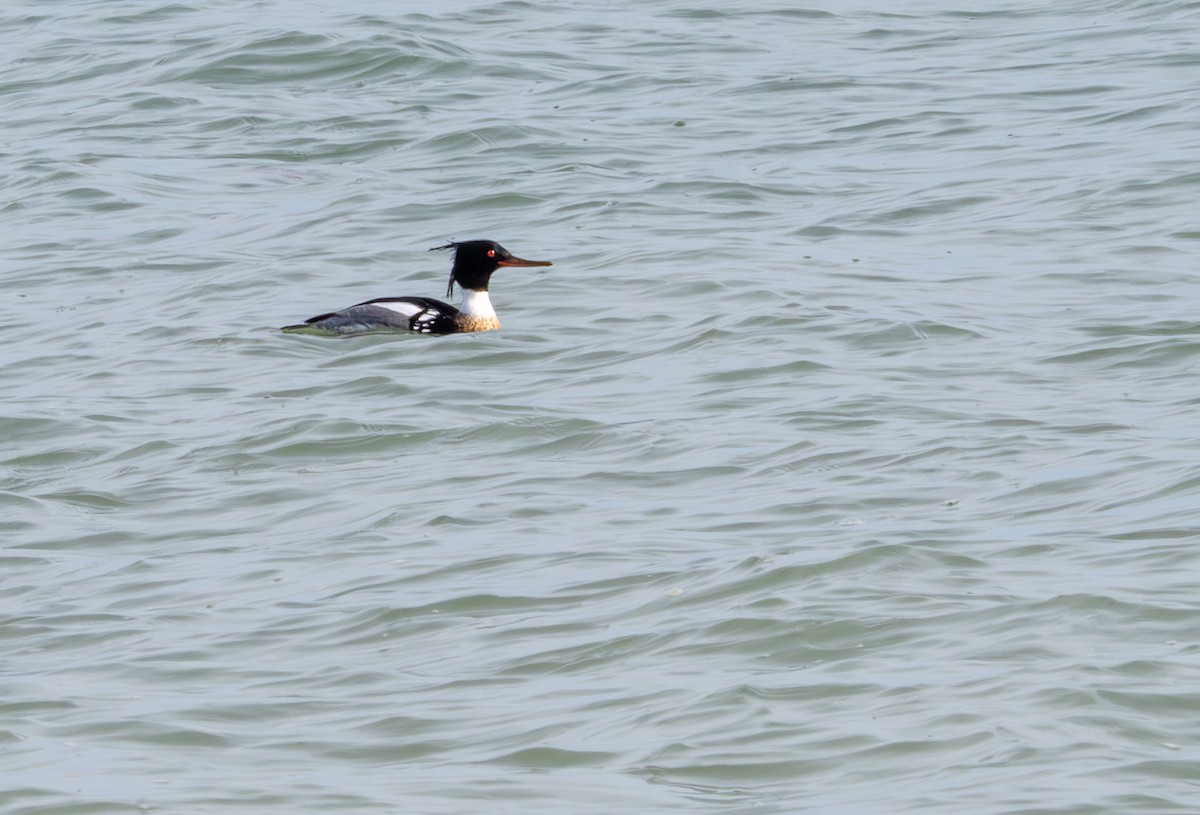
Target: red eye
x: 491, y: 253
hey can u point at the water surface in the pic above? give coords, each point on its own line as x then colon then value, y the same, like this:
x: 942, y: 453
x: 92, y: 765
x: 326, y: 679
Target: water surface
x: 842, y: 462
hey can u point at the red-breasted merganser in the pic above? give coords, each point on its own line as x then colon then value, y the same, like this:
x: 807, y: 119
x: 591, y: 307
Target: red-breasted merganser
x: 474, y: 262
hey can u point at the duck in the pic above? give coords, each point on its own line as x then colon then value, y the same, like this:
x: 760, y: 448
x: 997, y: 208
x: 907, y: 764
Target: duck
x: 474, y: 263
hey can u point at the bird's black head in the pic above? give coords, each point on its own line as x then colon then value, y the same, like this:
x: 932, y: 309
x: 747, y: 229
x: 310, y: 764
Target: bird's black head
x: 474, y: 262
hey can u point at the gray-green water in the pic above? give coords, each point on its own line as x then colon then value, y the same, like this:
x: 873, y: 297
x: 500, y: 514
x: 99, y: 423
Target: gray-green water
x: 845, y: 461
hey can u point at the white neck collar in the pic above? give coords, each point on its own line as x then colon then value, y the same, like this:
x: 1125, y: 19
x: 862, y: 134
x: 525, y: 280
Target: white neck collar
x: 477, y: 304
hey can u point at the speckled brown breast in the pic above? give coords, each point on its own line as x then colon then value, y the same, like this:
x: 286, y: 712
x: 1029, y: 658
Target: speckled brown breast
x: 467, y: 322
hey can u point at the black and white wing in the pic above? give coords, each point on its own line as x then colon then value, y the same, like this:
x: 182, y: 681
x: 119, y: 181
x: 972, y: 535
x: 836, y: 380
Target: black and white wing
x: 422, y: 315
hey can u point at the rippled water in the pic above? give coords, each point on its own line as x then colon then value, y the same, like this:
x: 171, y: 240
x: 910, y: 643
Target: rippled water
x: 842, y: 463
